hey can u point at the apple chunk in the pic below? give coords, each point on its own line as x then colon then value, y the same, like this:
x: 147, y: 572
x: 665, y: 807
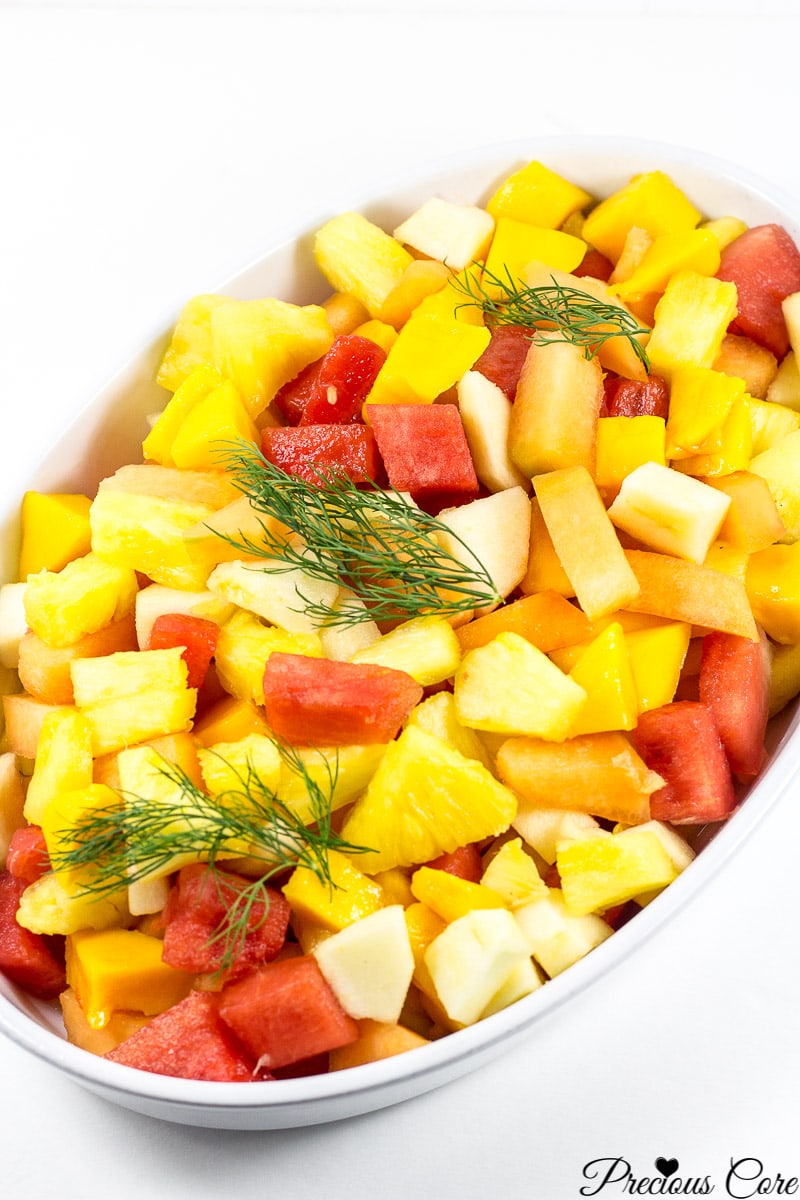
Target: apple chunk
x: 494, y: 529
x: 669, y: 511
x: 369, y: 964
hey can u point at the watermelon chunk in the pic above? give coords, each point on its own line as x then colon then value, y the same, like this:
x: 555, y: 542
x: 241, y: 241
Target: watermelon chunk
x: 425, y: 452
x: 195, y: 909
x: 734, y: 683
x: 344, y: 380
x: 764, y: 263
x: 27, y: 858
x: 292, y: 398
x: 197, y: 636
x: 635, y: 398
x: 680, y: 742
x: 464, y: 862
x: 286, y: 1012
x: 311, y: 450
x: 25, y: 957
x: 502, y: 360
x: 188, y: 1041
x: 323, y: 702
x: 595, y: 265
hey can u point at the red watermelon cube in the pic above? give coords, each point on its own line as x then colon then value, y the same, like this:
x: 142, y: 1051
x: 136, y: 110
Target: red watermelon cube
x: 764, y: 263
x: 681, y: 743
x: 25, y: 957
x: 501, y: 361
x: 734, y: 683
x: 27, y: 858
x: 316, y: 451
x: 187, y: 1041
x: 425, y: 452
x: 197, y: 635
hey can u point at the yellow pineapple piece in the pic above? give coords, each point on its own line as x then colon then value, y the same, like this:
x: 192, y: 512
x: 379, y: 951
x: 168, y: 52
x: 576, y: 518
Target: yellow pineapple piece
x: 157, y: 446
x: 771, y: 423
x: 49, y: 907
x: 513, y: 875
x: 426, y: 648
x: 597, y: 873
x: 780, y: 466
x: 243, y: 647
x: 358, y: 257
x: 341, y: 773
x: 425, y: 799
x: 60, y: 822
x: 261, y: 344
x: 132, y: 696
x: 279, y: 596
x: 190, y: 345
x: 63, y: 761
x: 510, y: 686
x: 55, y: 529
x: 227, y: 766
x: 556, y: 937
x: 352, y: 895
x: 437, y: 715
x: 692, y: 318
x: 85, y: 596
x: 12, y: 800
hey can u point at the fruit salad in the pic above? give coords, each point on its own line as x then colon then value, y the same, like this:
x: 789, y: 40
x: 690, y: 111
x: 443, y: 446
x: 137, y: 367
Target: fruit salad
x: 433, y: 631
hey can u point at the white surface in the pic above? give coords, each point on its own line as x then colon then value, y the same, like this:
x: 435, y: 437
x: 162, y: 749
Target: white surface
x: 145, y: 154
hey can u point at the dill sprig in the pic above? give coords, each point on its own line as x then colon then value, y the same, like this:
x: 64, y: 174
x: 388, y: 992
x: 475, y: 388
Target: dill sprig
x: 371, y: 541
x: 142, y: 838
x: 552, y: 311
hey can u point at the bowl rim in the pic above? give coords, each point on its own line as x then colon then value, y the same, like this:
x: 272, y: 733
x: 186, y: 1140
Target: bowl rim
x: 456, y: 1052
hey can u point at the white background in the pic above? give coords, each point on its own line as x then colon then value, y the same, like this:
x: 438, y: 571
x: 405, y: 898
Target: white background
x: 148, y: 151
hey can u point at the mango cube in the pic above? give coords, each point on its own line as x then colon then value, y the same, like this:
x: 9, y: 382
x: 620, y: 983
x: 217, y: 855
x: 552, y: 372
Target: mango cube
x: 55, y: 529
x: 650, y: 201
x: 538, y: 196
x: 122, y: 969
x: 353, y: 894
x: 426, y: 648
x: 513, y: 875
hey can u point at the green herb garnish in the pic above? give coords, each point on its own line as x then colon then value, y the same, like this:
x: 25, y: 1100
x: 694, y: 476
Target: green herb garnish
x: 141, y: 839
x: 553, y: 312
x: 374, y: 542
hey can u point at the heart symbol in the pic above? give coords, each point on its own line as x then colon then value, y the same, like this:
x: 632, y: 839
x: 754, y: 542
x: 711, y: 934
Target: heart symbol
x: 667, y: 1166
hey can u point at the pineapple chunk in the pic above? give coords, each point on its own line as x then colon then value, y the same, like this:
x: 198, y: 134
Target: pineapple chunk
x: 425, y: 799
x: 190, y: 345
x: 780, y: 466
x: 670, y: 512
x: 369, y: 965
x: 486, y: 414
x: 556, y: 937
x: 525, y: 978
x: 785, y: 387
x: 437, y: 715
x: 63, y: 761
x: 342, y: 642
x: 227, y: 766
x: 270, y: 591
x: 361, y: 259
x: 599, y: 872
x: 544, y: 829
x: 513, y: 875
x: 243, y: 647
x: 455, y: 234
x: 48, y: 907
x: 12, y: 799
x: 472, y: 958
x: 88, y: 594
x: 61, y: 820
x: 426, y: 648
x: 510, y: 686
x: 133, y: 695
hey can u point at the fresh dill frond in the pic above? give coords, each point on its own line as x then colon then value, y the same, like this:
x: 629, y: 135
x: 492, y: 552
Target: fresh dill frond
x: 116, y: 845
x: 553, y: 311
x: 374, y: 542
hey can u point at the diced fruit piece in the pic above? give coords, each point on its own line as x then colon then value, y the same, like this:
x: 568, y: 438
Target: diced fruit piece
x: 556, y: 937
x: 553, y: 421
x: 464, y: 863
x: 425, y: 451
x: 353, y: 894
x: 668, y: 511
x: 450, y: 896
x: 218, y: 417
x: 278, y: 595
x: 785, y: 680
x: 89, y: 593
x: 63, y: 761
x: 473, y: 536
x: 599, y: 872
x: 224, y: 766
x: 359, y: 258
x: 431, y: 353
x: 243, y: 648
x: 424, y: 648
x: 585, y: 541
x: 779, y: 466
x: 517, y: 243
x: 700, y: 401
x: 684, y: 591
x: 657, y: 656
x: 770, y: 423
x: 513, y: 875
x: 734, y: 683
x: 598, y: 773
x: 437, y: 715
x: 545, y: 572
x: 190, y: 345
x: 55, y: 529
x: 197, y: 637
x: 12, y: 800
x: 486, y: 412
x: 121, y: 1025
x: 625, y: 443
x: 369, y: 965
x: 744, y: 358
x: 188, y: 1041
x: 342, y: 381
x: 155, y: 600
x: 537, y: 195
x: 455, y: 234
x: 25, y: 957
x: 133, y: 695
x: 501, y: 361
x: 44, y: 671
x: 509, y: 686
x: 773, y: 588
x: 472, y: 958
x: 425, y: 799
x: 285, y: 1012
x: 122, y: 969
x: 376, y: 1040
x: 13, y: 623
x: 544, y: 829
x: 422, y: 278
x: 319, y: 452
x: 545, y: 619
x: 603, y: 669
x: 23, y: 716
x: 198, y: 904
x: 691, y: 320
x: 49, y: 907
x: 650, y: 201
x: 636, y: 397
x: 314, y: 701
x: 690, y: 250
x: 681, y: 743
x: 764, y: 264
x: 752, y: 521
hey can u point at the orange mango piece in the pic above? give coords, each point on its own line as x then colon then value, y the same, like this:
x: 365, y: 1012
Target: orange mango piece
x: 55, y: 529
x: 545, y: 618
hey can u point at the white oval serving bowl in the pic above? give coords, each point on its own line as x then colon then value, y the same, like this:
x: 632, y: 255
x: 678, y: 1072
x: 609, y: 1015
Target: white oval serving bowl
x: 108, y: 432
